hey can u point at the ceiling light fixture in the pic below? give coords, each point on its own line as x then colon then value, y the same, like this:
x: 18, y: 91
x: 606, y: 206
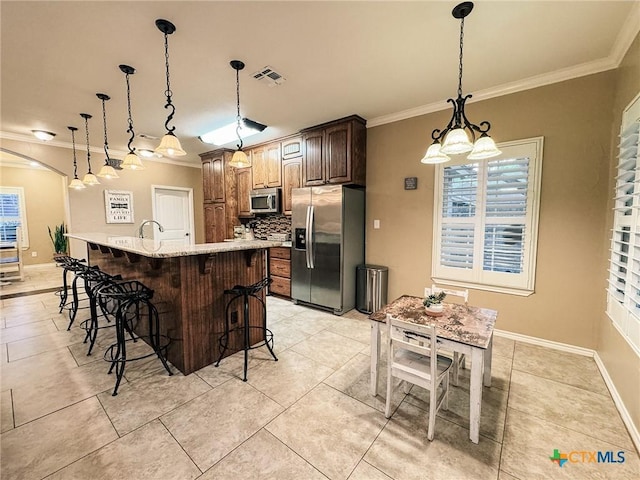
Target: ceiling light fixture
x: 43, y: 135
x: 107, y: 170
x: 169, y: 145
x: 89, y: 179
x: 226, y: 134
x: 456, y: 140
x: 76, y: 183
x: 131, y: 160
x: 239, y: 159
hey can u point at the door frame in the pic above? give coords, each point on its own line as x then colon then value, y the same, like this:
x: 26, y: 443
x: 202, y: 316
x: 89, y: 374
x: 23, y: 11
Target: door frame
x: 154, y: 189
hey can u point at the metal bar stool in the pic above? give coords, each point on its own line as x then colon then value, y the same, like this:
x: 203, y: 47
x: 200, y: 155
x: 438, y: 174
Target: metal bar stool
x: 247, y: 292
x: 68, y: 264
x: 133, y: 305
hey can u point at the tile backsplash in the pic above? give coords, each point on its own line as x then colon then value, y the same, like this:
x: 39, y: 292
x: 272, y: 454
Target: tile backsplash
x: 266, y: 224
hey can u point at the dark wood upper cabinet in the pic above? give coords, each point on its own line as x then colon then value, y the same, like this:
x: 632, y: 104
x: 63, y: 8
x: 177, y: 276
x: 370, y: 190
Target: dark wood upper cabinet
x: 220, y: 195
x: 207, y: 177
x: 291, y: 147
x: 291, y: 178
x: 335, y: 152
x: 244, y: 189
x: 213, y: 178
x: 258, y: 167
x: 266, y: 164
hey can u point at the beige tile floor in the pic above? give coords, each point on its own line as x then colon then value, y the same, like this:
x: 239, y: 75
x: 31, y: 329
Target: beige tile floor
x: 307, y: 416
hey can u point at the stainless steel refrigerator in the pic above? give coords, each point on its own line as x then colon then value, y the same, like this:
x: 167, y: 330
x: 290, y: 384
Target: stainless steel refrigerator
x: 327, y: 224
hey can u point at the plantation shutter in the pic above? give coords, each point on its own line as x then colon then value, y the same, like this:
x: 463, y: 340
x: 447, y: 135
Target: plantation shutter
x: 623, y: 303
x: 10, y: 217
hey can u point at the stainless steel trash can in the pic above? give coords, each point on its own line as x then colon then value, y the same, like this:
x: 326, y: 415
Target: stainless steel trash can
x: 371, y: 287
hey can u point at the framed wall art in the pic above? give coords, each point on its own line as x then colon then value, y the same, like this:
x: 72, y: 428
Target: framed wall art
x: 118, y: 206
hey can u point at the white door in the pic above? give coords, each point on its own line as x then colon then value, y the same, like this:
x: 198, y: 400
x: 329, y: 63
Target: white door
x: 173, y: 209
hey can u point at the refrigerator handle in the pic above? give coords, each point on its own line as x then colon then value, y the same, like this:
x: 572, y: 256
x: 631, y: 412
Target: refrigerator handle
x: 307, y: 245
x: 310, y: 234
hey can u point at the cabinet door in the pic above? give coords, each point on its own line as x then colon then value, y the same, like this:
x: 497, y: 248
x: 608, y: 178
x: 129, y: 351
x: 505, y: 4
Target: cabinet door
x: 291, y: 178
x: 291, y: 148
x: 220, y: 223
x: 273, y: 165
x: 312, y: 168
x: 244, y: 189
x: 207, y: 178
x: 338, y: 153
x: 217, y: 179
x: 258, y: 167
x: 209, y: 223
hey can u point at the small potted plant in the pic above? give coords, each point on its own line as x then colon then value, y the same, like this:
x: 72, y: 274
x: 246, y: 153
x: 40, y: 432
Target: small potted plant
x: 433, y: 303
x: 60, y: 242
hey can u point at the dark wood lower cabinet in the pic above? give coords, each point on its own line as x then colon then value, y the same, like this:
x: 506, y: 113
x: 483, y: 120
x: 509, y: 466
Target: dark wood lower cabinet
x: 280, y: 271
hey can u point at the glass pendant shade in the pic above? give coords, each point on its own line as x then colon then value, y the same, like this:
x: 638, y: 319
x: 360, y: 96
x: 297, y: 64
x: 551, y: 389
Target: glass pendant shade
x: 107, y: 171
x: 170, y: 145
x: 434, y: 155
x: 77, y: 184
x: 132, y: 162
x: 456, y: 142
x: 484, y: 147
x: 90, y: 179
x: 239, y: 160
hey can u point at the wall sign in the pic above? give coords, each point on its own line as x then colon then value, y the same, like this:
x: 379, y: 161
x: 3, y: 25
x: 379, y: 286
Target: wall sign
x: 118, y: 205
x: 411, y: 183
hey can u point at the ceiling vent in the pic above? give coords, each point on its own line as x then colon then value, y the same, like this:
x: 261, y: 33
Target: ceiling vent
x: 269, y: 75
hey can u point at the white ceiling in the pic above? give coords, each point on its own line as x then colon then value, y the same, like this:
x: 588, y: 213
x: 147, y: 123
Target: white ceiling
x: 381, y: 60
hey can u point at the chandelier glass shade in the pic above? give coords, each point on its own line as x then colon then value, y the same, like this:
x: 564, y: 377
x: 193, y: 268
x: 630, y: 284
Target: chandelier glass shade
x: 460, y: 135
x: 89, y: 179
x: 76, y: 183
x: 169, y: 145
x: 239, y: 159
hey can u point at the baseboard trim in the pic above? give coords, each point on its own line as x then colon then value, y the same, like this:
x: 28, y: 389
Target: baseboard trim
x: 624, y: 413
x: 35, y: 266
x: 565, y: 347
x: 587, y: 352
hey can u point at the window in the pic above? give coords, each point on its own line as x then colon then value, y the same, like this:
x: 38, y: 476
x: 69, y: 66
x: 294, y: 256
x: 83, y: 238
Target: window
x: 623, y: 293
x: 486, y: 219
x: 13, y: 214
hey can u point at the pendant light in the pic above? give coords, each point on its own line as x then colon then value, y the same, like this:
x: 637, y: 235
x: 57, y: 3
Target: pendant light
x: 169, y: 145
x: 89, y: 179
x: 239, y: 159
x: 456, y: 139
x: 107, y: 170
x: 76, y: 183
x: 131, y: 160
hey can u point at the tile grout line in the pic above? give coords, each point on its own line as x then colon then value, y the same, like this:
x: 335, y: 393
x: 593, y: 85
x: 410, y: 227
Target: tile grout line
x: 506, y: 412
x: 180, y: 445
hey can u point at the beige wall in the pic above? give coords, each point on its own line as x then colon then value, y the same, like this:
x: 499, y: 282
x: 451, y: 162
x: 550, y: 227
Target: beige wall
x: 575, y: 119
x: 86, y: 207
x: 622, y: 363
x: 44, y: 204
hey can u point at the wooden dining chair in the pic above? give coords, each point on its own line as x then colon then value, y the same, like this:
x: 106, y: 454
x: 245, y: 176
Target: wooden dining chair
x: 459, y: 360
x: 413, y: 357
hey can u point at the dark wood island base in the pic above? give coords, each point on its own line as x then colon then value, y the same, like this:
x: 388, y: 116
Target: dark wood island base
x: 189, y: 292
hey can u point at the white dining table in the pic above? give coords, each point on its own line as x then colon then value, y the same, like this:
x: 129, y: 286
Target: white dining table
x: 461, y: 328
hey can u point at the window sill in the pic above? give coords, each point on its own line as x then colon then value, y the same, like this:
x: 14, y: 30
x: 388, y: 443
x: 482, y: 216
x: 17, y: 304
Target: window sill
x: 488, y: 288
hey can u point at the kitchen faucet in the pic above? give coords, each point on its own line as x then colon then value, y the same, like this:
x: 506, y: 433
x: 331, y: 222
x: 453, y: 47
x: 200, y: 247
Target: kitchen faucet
x: 144, y: 222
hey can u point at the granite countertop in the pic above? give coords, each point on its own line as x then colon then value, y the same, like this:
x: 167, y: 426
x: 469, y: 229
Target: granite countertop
x: 149, y: 247
x: 460, y: 323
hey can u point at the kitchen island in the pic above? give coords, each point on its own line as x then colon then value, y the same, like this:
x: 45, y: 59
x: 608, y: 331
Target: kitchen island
x: 189, y: 283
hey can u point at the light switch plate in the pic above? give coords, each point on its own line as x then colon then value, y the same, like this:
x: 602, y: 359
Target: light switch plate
x: 376, y: 224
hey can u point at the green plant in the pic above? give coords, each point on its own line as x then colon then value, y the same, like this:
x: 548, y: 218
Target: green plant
x: 434, y: 299
x: 60, y: 242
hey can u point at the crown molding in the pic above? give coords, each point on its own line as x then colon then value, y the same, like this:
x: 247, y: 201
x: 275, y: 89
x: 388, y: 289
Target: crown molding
x: 623, y: 41
x: 18, y: 137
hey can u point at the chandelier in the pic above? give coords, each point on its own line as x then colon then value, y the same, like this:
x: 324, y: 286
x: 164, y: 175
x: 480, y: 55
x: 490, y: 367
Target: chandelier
x: 239, y: 159
x: 131, y: 160
x: 89, y: 178
x: 457, y: 132
x: 76, y: 183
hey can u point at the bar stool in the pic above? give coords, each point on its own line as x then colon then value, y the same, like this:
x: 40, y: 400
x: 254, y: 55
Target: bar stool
x: 80, y: 271
x: 247, y: 292
x: 133, y: 301
x: 68, y: 264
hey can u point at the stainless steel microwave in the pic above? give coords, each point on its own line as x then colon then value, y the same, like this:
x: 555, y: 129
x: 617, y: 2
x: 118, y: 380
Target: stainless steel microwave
x: 265, y: 200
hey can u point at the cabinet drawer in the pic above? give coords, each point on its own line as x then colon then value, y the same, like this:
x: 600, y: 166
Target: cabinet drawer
x: 280, y: 252
x: 280, y: 267
x: 281, y: 286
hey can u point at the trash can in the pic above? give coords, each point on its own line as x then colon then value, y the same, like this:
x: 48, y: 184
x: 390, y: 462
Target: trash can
x: 371, y: 287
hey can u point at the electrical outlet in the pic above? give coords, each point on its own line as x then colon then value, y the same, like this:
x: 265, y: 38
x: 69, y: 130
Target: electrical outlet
x: 234, y: 317
x: 376, y: 224
x: 34, y: 254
